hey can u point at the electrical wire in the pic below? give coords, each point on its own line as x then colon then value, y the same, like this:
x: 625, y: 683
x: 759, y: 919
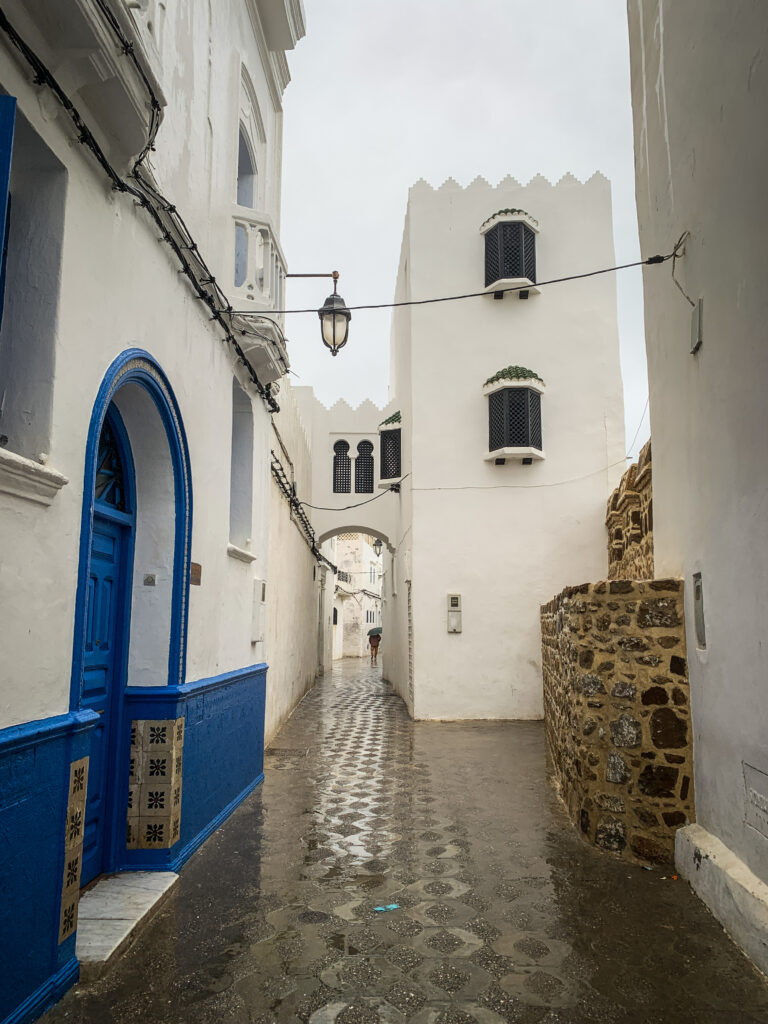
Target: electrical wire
x: 345, y: 508
x: 164, y: 214
x: 475, y: 295
x: 639, y: 425
x: 501, y: 487
x: 677, y: 253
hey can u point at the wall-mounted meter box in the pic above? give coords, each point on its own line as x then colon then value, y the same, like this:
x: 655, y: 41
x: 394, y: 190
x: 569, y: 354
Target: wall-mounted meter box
x: 454, y: 613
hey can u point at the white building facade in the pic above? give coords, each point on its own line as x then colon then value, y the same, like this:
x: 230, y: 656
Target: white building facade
x: 137, y: 502
x: 699, y: 87
x: 510, y: 415
x: 497, y: 451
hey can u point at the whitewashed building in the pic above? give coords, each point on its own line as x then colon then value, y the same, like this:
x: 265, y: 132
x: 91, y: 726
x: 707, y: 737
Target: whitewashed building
x: 699, y: 88
x: 138, y: 496
x: 508, y: 412
x: 500, y: 444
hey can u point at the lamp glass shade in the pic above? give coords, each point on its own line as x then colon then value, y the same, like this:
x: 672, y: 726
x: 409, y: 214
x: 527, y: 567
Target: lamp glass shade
x: 334, y: 322
x: 334, y: 327
x: 377, y: 546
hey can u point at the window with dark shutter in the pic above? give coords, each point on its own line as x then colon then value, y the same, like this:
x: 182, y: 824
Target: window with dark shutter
x: 514, y: 414
x: 390, y: 454
x: 510, y: 252
x: 342, y: 468
x: 514, y: 419
x: 364, y: 468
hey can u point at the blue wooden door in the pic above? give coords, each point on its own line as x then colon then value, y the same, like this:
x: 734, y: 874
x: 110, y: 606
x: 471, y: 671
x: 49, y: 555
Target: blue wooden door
x: 106, y: 619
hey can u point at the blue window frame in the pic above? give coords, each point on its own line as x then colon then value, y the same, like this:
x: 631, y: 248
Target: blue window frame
x: 7, y: 125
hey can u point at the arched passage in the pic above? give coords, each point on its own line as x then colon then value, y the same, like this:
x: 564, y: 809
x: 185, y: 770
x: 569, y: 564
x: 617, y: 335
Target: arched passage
x: 133, y: 576
x: 351, y: 528
x: 352, y: 596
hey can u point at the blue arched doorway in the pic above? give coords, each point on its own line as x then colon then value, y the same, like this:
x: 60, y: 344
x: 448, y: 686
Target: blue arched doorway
x: 133, y: 579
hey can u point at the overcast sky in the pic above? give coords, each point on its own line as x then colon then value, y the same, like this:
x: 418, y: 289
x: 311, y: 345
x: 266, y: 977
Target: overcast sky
x: 385, y: 94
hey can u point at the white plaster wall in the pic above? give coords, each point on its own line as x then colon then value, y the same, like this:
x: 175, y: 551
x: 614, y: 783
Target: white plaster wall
x: 292, y: 574
x: 699, y: 93
x: 397, y: 562
x: 154, y: 538
x: 120, y: 288
x: 338, y: 629
x: 505, y: 537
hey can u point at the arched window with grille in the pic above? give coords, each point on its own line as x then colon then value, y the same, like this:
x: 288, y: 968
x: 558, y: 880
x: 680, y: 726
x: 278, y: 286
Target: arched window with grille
x: 342, y: 468
x: 364, y: 468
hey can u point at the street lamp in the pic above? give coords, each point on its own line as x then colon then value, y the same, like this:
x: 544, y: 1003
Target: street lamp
x: 334, y: 316
x: 334, y: 320
x: 377, y: 546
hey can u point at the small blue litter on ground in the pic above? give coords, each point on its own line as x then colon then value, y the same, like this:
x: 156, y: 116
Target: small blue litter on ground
x: 389, y: 906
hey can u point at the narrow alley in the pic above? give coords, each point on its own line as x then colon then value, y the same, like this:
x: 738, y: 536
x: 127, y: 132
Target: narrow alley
x: 503, y: 913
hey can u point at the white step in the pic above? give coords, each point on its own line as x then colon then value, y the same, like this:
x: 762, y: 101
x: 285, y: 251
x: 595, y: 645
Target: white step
x: 112, y: 910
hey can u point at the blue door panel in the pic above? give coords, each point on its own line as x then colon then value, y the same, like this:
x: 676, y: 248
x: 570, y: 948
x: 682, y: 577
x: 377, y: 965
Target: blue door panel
x: 102, y: 682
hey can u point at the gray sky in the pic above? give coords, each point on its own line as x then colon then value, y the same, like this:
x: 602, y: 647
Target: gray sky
x: 385, y: 94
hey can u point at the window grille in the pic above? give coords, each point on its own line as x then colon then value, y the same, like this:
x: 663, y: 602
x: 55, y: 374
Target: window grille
x: 510, y: 252
x: 109, y: 487
x: 534, y: 412
x: 342, y: 468
x: 514, y: 419
x: 390, y: 454
x: 364, y: 468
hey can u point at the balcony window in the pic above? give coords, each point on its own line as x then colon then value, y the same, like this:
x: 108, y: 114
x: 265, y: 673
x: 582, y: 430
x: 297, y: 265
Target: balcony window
x: 241, y: 469
x: 33, y: 186
x: 510, y: 252
x: 390, y: 448
x: 514, y: 415
x: 246, y: 172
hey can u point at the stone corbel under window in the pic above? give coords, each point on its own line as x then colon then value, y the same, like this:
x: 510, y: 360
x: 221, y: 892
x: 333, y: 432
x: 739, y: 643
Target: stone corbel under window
x: 241, y: 554
x: 29, y: 480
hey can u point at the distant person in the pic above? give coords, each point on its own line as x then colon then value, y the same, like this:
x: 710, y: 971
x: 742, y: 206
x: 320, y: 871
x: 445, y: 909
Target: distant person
x: 373, y: 643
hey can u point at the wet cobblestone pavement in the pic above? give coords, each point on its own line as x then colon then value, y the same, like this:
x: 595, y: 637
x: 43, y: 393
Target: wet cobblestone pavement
x: 504, y: 914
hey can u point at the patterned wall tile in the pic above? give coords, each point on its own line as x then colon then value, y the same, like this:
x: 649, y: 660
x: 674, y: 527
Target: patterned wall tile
x: 154, y: 784
x: 74, y: 828
x: 159, y: 735
x: 155, y: 800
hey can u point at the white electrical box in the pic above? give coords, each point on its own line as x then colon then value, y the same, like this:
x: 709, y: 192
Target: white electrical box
x: 454, y: 613
x: 259, y: 611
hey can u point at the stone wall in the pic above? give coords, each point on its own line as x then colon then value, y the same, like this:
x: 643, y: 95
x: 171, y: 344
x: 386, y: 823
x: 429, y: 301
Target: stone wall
x: 629, y: 521
x: 617, y: 712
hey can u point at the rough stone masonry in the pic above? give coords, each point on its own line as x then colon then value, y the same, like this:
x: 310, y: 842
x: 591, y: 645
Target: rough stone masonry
x: 617, y: 712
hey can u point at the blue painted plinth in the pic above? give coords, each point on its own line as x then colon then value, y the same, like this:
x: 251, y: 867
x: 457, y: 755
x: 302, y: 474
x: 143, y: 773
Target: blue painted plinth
x: 34, y: 781
x: 223, y: 753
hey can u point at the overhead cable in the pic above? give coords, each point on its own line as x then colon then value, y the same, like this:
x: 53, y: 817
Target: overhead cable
x: 345, y: 508
x: 474, y: 295
x: 164, y: 214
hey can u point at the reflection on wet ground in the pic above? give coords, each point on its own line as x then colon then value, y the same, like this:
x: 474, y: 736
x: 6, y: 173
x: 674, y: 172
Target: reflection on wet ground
x: 502, y: 912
